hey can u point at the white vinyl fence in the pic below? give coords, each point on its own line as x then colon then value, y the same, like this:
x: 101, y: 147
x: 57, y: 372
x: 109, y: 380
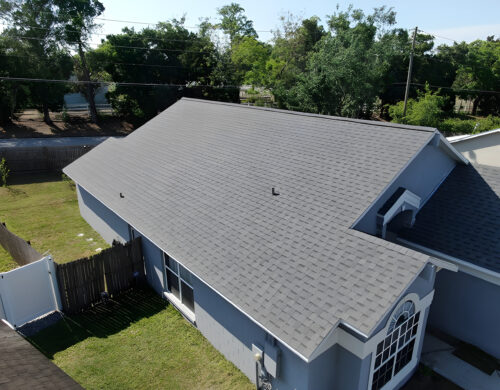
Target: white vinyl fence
x: 29, y: 292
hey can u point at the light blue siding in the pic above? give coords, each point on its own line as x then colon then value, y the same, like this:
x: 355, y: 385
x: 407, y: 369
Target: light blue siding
x: 153, y: 260
x: 467, y: 308
x: 233, y: 333
x: 103, y: 220
x: 422, y: 177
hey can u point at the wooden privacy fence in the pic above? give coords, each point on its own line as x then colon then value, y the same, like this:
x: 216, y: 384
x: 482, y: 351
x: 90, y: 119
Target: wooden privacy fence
x: 42, y: 159
x: 82, y: 282
x: 21, y: 251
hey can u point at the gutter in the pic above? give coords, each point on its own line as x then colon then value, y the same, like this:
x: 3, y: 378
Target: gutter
x: 203, y: 281
x: 446, y: 261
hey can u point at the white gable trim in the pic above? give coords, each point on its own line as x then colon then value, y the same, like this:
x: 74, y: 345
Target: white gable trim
x: 364, y: 348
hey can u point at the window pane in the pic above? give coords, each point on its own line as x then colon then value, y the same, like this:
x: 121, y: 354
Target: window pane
x: 185, y: 275
x: 187, y: 296
x: 171, y: 263
x: 173, y: 283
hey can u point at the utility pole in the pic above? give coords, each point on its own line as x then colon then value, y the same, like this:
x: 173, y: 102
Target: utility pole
x: 408, y: 80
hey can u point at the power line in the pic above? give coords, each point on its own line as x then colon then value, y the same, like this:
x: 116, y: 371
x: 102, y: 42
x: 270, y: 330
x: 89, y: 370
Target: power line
x: 106, y: 35
x: 109, y: 62
x: 146, y: 23
x: 439, y: 36
x: 454, y: 89
x: 120, y: 46
x: 119, y: 83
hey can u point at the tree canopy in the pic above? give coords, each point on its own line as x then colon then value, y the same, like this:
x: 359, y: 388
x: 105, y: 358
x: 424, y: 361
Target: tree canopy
x: 351, y: 64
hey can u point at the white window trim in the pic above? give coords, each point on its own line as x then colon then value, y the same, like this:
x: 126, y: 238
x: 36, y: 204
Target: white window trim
x: 186, y: 311
x: 177, y: 302
x: 396, y: 379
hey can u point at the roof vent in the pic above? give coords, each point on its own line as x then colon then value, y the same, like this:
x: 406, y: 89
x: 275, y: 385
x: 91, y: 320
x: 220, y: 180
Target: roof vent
x: 121, y: 195
x: 401, y: 201
x: 276, y: 191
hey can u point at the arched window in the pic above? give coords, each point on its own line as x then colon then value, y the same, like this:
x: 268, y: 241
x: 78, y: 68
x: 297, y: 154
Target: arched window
x: 396, y: 350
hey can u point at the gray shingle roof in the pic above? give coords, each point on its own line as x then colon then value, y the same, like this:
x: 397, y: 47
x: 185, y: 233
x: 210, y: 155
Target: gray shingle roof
x: 462, y: 219
x: 197, y: 181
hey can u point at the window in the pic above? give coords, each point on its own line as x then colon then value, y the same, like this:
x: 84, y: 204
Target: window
x: 179, y: 282
x: 396, y: 350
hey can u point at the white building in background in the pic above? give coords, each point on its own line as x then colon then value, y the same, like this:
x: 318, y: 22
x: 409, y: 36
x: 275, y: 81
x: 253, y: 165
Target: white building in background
x: 483, y: 148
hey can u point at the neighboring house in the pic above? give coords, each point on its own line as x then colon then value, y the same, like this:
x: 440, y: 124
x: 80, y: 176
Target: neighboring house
x: 270, y: 231
x: 482, y: 148
x: 77, y: 99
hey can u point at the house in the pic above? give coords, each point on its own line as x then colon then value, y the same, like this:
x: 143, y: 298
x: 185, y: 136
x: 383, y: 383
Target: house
x: 276, y: 234
x: 482, y: 148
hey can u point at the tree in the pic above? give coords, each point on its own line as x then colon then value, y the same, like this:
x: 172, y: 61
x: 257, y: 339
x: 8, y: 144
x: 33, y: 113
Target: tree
x: 234, y: 22
x: 30, y: 39
x: 292, y: 45
x: 344, y: 75
x: 250, y: 57
x: 75, y: 26
x: 480, y: 70
x: 168, y: 54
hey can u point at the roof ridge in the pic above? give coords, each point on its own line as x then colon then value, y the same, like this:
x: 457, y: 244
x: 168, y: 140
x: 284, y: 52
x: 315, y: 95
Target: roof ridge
x: 320, y: 116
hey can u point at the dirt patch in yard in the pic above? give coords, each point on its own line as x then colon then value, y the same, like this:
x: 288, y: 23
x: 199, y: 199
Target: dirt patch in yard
x: 29, y: 124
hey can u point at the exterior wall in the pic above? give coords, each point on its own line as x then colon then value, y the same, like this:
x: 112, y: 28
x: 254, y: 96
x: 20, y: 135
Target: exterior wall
x: 153, y: 261
x: 233, y: 333
x: 467, y: 308
x: 422, y: 177
x: 483, y: 150
x: 103, y: 220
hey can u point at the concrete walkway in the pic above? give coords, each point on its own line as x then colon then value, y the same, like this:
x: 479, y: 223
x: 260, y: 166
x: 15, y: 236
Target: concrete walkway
x: 438, y: 355
x: 22, y: 366
x: 50, y: 142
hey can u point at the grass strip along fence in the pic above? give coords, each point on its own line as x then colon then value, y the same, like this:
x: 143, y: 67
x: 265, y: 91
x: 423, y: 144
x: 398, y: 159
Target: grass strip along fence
x: 21, y: 251
x: 87, y: 281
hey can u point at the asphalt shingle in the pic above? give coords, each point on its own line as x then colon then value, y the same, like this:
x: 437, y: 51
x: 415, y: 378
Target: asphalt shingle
x: 197, y: 181
x: 462, y: 219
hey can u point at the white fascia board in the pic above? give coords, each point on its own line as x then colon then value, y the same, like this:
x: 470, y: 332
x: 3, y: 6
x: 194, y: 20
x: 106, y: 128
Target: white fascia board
x: 461, y: 265
x: 448, y: 148
x: 460, y: 138
x: 307, y: 360
x: 358, y: 347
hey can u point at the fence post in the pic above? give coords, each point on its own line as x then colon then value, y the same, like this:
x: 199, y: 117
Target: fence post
x: 51, y: 268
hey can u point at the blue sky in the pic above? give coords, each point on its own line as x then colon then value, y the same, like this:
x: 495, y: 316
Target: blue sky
x: 458, y: 19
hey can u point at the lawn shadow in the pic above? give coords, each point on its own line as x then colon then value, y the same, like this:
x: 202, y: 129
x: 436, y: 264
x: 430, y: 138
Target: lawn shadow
x: 31, y: 178
x: 100, y: 321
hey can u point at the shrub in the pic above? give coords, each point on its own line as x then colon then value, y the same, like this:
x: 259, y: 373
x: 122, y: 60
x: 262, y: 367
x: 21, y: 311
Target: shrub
x: 65, y: 116
x: 426, y: 110
x: 469, y: 126
x: 4, y: 172
x: 457, y: 126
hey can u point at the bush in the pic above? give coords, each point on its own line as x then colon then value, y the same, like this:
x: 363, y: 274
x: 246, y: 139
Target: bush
x: 489, y: 123
x: 4, y: 172
x: 426, y: 110
x: 65, y: 116
x: 469, y: 126
x: 457, y: 126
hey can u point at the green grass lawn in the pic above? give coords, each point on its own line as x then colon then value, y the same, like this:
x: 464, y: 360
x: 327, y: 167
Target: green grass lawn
x: 44, y: 210
x: 137, y: 342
